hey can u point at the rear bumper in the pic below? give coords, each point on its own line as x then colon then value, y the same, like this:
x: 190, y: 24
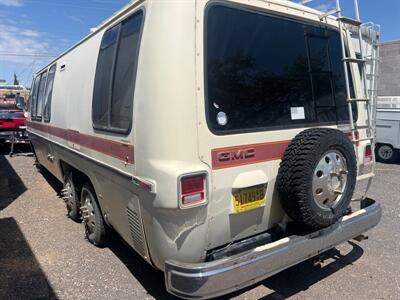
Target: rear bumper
x: 20, y: 136
x: 211, y: 279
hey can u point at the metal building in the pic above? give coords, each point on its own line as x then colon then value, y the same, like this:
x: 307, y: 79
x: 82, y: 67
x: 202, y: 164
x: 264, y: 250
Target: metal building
x: 389, y: 81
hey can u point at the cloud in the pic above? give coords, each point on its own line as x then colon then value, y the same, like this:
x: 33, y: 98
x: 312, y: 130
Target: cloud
x: 76, y: 19
x: 15, y: 3
x: 30, y: 33
x: 323, y: 7
x: 17, y: 40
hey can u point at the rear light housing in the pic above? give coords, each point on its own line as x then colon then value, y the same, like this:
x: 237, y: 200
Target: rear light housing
x: 192, y: 190
x: 368, y: 159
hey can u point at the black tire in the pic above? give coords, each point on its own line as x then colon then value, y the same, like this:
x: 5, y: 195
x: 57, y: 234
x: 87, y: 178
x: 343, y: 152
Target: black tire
x: 386, y: 153
x: 73, y: 202
x: 297, y: 171
x: 98, y: 234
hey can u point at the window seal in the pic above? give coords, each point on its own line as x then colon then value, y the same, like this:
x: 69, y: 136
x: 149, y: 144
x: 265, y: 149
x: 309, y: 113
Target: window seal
x: 34, y: 117
x: 110, y: 128
x: 258, y: 11
x: 47, y: 120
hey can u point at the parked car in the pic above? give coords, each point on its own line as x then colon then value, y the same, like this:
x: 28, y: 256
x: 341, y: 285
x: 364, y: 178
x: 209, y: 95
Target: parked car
x: 217, y: 138
x: 12, y: 121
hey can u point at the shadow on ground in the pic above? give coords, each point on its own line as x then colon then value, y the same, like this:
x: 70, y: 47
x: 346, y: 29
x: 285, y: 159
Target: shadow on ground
x: 151, y: 279
x: 302, y: 276
x: 283, y: 285
x: 11, y: 185
x: 20, y: 274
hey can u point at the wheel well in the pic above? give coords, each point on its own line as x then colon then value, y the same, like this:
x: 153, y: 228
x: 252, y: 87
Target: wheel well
x: 79, y: 177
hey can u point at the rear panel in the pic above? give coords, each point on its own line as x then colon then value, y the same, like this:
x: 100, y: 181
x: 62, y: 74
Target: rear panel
x: 269, y: 73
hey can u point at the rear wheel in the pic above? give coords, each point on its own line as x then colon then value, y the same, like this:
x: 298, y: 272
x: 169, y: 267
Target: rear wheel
x: 95, y: 228
x: 386, y: 153
x: 317, y: 177
x: 70, y: 195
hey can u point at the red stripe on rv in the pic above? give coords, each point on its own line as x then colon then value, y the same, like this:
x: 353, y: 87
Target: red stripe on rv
x: 111, y: 148
x: 247, y: 154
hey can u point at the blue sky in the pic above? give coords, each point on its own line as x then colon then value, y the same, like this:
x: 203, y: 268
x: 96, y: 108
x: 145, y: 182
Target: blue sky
x: 51, y: 26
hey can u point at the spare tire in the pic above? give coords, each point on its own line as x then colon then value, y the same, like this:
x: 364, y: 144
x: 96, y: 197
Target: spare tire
x: 317, y: 177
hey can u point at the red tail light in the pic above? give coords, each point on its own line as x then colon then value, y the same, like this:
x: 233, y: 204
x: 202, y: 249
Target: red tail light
x: 193, y: 190
x: 368, y: 155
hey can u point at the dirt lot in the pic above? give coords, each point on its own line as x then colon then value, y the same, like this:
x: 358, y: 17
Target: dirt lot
x: 43, y: 254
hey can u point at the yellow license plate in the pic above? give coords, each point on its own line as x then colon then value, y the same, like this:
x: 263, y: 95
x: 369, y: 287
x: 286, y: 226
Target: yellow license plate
x: 248, y: 198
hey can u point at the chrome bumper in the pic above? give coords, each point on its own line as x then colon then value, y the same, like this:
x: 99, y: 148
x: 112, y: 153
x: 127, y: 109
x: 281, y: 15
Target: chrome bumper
x: 211, y: 279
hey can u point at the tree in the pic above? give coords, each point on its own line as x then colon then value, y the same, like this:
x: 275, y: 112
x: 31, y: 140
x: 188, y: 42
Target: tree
x: 16, y: 81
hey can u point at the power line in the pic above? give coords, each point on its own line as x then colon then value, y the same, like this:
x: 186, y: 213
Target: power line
x: 63, y: 4
x: 40, y: 55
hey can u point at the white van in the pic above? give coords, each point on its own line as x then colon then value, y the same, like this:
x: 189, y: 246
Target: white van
x: 222, y: 140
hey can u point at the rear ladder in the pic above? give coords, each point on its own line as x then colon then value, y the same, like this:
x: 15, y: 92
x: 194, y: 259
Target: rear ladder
x: 369, y: 94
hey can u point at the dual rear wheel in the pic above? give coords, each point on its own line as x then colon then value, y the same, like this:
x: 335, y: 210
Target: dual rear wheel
x: 82, y: 205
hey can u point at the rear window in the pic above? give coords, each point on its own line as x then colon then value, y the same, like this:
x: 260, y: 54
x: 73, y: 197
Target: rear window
x: 267, y: 72
x: 11, y: 115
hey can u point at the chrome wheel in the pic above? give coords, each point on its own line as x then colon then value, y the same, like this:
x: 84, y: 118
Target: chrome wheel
x: 88, y: 212
x: 385, y: 152
x: 68, y: 195
x: 329, y: 180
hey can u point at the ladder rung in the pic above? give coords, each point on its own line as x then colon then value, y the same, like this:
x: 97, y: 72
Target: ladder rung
x: 363, y: 140
x: 362, y: 127
x: 354, y: 60
x: 358, y: 100
x: 365, y: 176
x: 349, y: 21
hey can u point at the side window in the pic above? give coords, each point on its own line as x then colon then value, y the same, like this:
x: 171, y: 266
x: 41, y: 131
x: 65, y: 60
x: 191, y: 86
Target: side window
x: 34, y: 96
x: 102, y: 84
x: 49, y: 93
x: 114, y: 90
x: 40, y: 98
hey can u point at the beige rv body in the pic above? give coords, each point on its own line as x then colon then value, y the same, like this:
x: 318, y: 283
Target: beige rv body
x: 136, y: 176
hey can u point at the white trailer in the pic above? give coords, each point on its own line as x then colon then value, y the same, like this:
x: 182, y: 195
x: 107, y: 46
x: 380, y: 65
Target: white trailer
x: 388, y: 129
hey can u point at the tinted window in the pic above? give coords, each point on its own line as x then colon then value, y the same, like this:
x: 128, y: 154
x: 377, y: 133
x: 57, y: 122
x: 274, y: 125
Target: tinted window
x: 49, y: 93
x: 34, y: 96
x: 266, y: 72
x: 125, y: 71
x: 41, y: 93
x: 103, y: 79
x: 115, y: 76
x: 11, y: 115
x: 20, y: 102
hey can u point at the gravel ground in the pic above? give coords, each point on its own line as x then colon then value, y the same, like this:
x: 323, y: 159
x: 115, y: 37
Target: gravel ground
x: 43, y: 254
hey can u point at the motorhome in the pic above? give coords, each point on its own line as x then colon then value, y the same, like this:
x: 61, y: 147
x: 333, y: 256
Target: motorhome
x: 222, y: 140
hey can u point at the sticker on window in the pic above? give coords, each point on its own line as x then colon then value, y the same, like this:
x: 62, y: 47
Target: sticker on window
x: 297, y: 113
